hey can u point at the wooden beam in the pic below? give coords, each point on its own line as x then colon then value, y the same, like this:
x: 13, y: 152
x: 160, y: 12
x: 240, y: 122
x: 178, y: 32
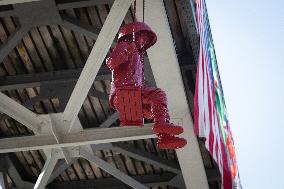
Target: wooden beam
x: 83, y: 3
x: 84, y: 137
x: 80, y: 27
x: 112, y: 170
x: 8, y: 2
x: 47, y: 78
x: 18, y: 112
x: 146, y: 157
x: 112, y: 183
x: 95, y: 59
x: 6, y: 13
x: 110, y: 120
x: 163, y: 58
x: 101, y: 95
x: 46, y: 170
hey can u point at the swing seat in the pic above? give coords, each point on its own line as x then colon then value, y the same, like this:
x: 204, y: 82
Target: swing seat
x: 130, y: 106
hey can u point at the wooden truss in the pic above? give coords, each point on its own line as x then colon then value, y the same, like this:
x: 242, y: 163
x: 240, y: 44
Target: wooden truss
x: 62, y: 136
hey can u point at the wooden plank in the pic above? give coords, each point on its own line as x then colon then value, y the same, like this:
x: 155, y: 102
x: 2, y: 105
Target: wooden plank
x: 110, y: 120
x: 138, y: 165
x: 112, y: 183
x: 131, y: 151
x: 53, y: 55
x: 46, y: 78
x: 79, y: 170
x: 80, y: 27
x: 73, y: 46
x: 12, y: 41
x: 87, y: 169
x: 84, y: 137
x: 98, y: 104
x: 171, y: 82
x: 32, y: 53
x: 112, y: 170
x: 80, y: 38
x: 61, y: 47
x: 41, y: 49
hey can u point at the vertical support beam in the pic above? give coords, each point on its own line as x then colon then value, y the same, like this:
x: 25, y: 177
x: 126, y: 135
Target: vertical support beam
x: 167, y: 75
x: 7, y: 2
x: 47, y: 169
x: 95, y: 59
x: 112, y: 170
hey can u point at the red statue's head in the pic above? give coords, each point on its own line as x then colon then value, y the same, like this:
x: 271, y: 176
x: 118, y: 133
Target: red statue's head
x: 143, y: 35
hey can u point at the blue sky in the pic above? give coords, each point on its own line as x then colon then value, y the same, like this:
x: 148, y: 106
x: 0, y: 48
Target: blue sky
x: 249, y: 42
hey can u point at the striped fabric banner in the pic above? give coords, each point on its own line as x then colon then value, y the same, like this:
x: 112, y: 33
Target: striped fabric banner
x: 210, y: 114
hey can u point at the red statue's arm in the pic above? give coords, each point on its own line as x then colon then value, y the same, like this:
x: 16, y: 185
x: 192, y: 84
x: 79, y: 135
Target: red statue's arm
x: 120, y: 54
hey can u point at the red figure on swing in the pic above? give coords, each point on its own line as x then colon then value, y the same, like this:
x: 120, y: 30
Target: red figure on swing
x: 129, y: 95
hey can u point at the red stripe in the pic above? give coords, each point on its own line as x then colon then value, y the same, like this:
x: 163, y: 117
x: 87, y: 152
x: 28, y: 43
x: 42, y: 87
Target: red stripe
x: 211, y: 134
x: 196, y: 105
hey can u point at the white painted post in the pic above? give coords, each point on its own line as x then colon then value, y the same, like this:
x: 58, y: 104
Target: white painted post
x: 166, y: 70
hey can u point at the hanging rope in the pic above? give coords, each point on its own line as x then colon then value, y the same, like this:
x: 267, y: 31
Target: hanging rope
x: 135, y: 18
x: 143, y: 11
x: 143, y: 8
x: 134, y: 10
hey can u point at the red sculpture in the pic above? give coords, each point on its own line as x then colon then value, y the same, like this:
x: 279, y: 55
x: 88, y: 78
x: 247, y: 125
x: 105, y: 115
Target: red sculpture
x: 129, y: 95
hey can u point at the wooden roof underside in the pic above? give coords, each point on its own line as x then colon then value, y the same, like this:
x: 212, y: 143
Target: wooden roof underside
x: 39, y: 69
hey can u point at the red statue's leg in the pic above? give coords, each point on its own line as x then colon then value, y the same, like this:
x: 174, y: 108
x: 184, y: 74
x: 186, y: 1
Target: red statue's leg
x: 155, y: 107
x: 166, y: 141
x: 156, y: 102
